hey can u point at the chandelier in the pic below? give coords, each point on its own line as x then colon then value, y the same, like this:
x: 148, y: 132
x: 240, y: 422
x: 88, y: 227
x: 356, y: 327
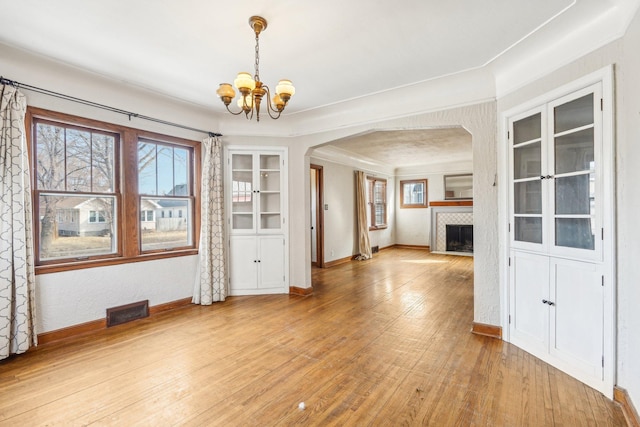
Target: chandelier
x: 252, y: 90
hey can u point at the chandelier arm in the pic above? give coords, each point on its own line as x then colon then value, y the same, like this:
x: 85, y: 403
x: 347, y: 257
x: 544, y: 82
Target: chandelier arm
x: 269, y: 106
x: 235, y: 114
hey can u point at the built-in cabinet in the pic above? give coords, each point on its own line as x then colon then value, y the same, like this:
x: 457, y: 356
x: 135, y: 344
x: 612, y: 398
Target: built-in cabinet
x: 256, y: 200
x: 560, y: 281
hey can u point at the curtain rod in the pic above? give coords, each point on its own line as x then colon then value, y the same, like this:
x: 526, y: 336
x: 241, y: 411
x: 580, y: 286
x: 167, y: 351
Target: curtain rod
x: 102, y: 106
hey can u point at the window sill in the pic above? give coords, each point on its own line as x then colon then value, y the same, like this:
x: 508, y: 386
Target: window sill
x: 377, y: 227
x: 56, y: 268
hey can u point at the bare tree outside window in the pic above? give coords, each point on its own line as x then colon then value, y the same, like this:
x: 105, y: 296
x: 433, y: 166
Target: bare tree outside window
x: 75, y: 174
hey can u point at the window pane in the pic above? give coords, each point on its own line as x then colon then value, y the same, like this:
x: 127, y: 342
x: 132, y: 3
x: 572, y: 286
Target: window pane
x: 575, y: 195
x: 575, y: 233
x: 78, y: 160
x: 527, y: 197
x: 180, y: 171
x: 574, y: 152
x: 50, y: 157
x: 169, y: 230
x: 103, y: 161
x: 574, y: 114
x: 413, y: 194
x: 526, y: 161
x: 147, y: 169
x: 165, y: 171
x: 527, y: 129
x: 528, y: 229
x: 76, y: 226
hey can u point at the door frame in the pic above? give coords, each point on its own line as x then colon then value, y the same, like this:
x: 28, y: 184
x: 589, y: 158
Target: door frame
x: 319, y: 190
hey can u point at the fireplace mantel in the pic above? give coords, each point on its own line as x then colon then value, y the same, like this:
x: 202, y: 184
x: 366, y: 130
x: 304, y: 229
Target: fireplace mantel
x: 452, y: 203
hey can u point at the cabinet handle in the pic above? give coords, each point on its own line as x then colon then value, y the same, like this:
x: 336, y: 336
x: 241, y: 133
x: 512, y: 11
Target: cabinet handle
x: 255, y: 260
x: 258, y: 260
x: 544, y: 301
x: 542, y: 177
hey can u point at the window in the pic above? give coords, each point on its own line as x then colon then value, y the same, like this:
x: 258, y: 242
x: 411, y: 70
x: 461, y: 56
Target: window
x: 97, y: 216
x: 377, y: 203
x: 413, y: 194
x: 92, y: 180
x: 75, y: 171
x: 146, y: 216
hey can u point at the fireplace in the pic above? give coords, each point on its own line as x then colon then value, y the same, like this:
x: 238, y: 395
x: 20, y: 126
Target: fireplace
x: 459, y: 238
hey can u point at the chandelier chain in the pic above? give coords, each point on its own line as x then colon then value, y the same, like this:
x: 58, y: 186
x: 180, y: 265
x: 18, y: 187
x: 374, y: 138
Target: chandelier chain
x: 257, y: 76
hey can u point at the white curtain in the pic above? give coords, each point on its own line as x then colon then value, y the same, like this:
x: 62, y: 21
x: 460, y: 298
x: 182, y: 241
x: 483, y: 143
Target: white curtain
x: 17, y: 276
x: 364, y: 247
x: 211, y: 279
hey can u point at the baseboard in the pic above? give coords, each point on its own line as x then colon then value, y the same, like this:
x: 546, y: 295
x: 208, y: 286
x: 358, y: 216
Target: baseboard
x: 621, y: 396
x: 97, y: 325
x: 303, y: 292
x: 487, y: 330
x: 335, y: 262
x: 423, y: 247
x: 71, y: 331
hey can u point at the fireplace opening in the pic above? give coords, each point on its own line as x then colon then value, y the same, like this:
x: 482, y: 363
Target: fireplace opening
x: 459, y: 238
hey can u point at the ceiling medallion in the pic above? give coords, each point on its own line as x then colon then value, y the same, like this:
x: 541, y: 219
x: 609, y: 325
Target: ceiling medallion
x: 252, y: 90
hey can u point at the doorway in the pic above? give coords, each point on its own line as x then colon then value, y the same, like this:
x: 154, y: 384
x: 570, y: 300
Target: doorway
x: 317, y: 215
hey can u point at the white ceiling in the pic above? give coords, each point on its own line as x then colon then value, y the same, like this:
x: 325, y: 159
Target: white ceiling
x: 332, y: 50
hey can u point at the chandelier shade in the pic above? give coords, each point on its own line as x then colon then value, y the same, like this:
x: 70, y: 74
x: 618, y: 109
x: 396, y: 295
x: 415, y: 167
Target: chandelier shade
x: 252, y: 90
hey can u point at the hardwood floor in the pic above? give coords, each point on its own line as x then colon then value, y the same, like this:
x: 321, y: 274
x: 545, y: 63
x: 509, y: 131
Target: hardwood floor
x: 380, y: 342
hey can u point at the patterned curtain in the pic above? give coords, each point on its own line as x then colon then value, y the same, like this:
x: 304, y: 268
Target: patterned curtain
x: 364, y: 247
x: 17, y: 276
x: 211, y: 282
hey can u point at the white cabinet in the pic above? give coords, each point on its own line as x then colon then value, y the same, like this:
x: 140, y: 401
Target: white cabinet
x: 257, y: 227
x: 557, y: 313
x: 257, y: 264
x: 561, y: 272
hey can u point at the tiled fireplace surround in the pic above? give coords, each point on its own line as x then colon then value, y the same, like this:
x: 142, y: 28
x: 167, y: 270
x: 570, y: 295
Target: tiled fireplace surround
x: 440, y: 217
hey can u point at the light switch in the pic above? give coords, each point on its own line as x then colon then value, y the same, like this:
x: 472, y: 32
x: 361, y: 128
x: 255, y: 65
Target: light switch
x: 326, y: 207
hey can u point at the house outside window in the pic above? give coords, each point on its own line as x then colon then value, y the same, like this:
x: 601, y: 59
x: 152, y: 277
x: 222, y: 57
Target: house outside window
x: 85, y: 191
x: 377, y: 203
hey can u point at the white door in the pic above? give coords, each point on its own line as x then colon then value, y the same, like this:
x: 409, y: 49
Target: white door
x: 529, y: 294
x: 577, y: 310
x: 271, y: 263
x: 243, y: 264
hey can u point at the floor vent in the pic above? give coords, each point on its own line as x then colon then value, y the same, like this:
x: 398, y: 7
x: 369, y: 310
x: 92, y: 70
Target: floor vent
x: 127, y: 313
x: 375, y: 249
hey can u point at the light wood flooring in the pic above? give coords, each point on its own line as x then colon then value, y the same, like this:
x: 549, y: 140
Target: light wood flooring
x: 380, y: 342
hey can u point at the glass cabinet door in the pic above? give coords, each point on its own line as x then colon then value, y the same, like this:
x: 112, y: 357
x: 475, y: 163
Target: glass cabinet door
x: 574, y: 172
x: 527, y: 155
x: 269, y: 175
x: 242, y: 192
